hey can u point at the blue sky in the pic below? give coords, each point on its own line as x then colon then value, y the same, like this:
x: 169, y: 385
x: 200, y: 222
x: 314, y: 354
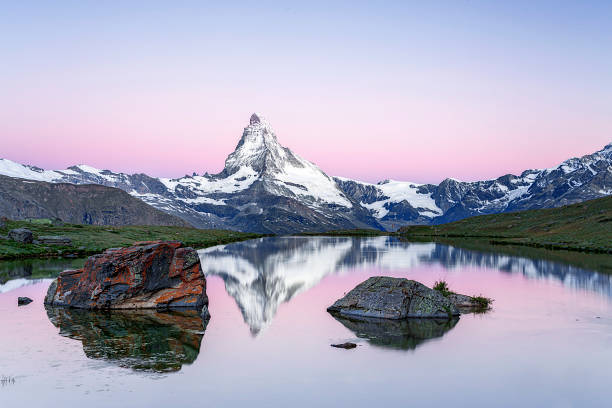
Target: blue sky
x: 417, y: 90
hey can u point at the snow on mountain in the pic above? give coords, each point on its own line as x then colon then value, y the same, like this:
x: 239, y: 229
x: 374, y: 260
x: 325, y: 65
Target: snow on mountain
x: 400, y: 203
x: 265, y: 187
x: 12, y: 169
x: 392, y: 192
x: 259, y: 156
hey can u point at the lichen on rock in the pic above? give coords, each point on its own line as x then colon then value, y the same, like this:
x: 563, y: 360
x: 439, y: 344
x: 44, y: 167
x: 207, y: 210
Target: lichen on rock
x: 148, y: 275
x: 394, y: 298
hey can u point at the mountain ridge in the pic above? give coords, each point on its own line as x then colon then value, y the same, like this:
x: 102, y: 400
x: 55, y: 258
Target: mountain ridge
x: 265, y: 187
x: 78, y: 204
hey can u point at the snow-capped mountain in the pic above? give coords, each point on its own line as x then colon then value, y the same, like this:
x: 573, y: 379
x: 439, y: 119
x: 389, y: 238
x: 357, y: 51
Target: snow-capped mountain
x: 396, y: 203
x: 265, y: 187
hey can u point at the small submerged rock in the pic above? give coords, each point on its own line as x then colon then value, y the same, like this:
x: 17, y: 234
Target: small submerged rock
x: 394, y: 298
x: 22, y: 301
x: 346, y: 345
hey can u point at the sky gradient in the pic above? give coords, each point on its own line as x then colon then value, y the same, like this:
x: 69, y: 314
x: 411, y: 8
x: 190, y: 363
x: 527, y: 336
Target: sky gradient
x: 370, y: 90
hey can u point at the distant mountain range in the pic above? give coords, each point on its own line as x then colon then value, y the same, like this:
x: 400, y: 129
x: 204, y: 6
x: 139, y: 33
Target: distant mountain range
x: 265, y: 187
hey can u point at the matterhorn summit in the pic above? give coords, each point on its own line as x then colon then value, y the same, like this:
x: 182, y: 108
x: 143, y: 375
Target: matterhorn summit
x: 260, y: 157
x: 265, y: 183
x: 258, y: 149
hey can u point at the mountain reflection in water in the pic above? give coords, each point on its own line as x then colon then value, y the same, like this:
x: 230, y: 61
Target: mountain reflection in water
x: 263, y: 273
x: 405, y: 334
x: 143, y: 340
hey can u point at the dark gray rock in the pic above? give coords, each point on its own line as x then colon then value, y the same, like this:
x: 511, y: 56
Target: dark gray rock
x: 394, y: 298
x: 346, y: 345
x: 54, y: 240
x: 22, y: 301
x: 3, y: 222
x: 22, y: 235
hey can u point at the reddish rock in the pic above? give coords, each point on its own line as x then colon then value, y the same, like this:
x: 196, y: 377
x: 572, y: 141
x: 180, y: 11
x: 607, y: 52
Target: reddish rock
x: 148, y: 275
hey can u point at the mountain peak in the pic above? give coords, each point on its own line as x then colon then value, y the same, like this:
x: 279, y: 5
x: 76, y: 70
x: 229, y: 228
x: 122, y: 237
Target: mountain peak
x: 255, y: 119
x: 258, y: 148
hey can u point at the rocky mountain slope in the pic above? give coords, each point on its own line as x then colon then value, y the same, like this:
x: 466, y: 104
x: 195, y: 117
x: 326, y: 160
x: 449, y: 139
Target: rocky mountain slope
x: 396, y: 203
x: 265, y: 187
x: 78, y: 204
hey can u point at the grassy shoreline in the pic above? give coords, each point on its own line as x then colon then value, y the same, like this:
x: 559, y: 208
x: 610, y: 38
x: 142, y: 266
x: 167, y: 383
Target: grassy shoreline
x: 584, y: 227
x: 93, y: 239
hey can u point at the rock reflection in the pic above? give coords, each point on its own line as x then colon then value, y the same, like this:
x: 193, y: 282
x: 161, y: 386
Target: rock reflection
x: 407, y: 334
x: 143, y: 340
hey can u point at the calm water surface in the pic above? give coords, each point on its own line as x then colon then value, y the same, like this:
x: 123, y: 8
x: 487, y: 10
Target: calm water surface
x: 547, y: 341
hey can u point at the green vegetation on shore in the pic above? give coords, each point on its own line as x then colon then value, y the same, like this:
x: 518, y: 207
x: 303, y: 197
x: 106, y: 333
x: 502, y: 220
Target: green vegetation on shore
x: 482, y: 303
x: 442, y: 287
x: 92, y: 239
x: 586, y: 226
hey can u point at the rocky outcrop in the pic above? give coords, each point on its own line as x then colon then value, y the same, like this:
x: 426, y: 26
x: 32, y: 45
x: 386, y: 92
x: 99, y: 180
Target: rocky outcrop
x: 22, y: 235
x: 394, y: 298
x: 54, y: 240
x: 148, y: 275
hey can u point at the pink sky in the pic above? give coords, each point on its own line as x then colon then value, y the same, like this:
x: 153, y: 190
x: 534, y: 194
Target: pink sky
x: 408, y: 92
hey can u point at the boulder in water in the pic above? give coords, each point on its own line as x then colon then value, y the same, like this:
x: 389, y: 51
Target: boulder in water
x: 394, y: 298
x: 148, y: 275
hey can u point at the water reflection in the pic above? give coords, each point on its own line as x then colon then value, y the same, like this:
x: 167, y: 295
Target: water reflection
x: 397, y: 334
x: 143, y: 340
x: 261, y: 274
x: 23, y: 272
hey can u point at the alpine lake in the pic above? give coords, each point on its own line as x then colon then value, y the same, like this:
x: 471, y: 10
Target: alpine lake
x: 546, y: 341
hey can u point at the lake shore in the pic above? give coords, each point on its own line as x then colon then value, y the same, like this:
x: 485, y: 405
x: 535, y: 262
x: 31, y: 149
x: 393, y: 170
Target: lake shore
x: 584, y: 227
x: 92, y: 239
